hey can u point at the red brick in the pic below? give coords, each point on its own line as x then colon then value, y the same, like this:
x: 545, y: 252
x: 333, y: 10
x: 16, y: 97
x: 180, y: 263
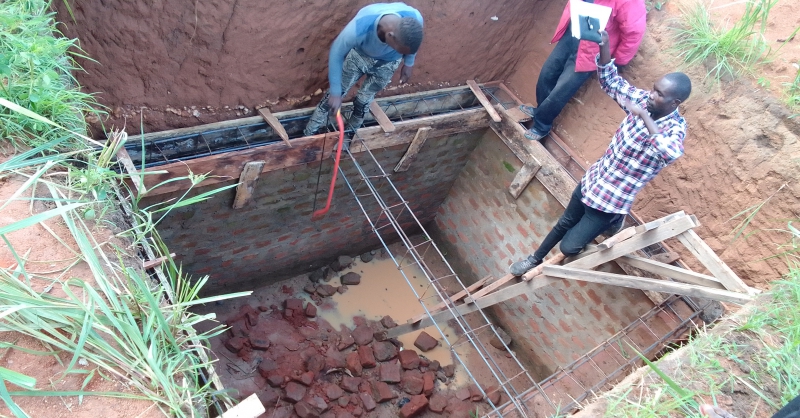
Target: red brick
x: 536, y: 310
x: 534, y: 326
x: 202, y: 251
x: 564, y: 326
x: 593, y: 296
x: 596, y: 314
x: 552, y: 299
x: 550, y: 328
x: 577, y: 295
x: 241, y: 249
x: 610, y: 312
x: 522, y: 231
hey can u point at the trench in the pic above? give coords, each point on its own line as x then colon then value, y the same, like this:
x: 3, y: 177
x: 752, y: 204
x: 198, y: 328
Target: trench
x: 414, y: 237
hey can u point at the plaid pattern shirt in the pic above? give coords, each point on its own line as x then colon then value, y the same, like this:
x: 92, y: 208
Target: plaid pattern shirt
x: 634, y: 156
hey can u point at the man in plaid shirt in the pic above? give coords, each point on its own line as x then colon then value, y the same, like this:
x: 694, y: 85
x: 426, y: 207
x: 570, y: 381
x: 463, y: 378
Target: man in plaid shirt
x: 648, y: 139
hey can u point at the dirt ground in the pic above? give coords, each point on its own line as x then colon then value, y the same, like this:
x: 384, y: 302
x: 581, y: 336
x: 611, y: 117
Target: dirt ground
x: 218, y: 60
x: 740, y: 149
x: 49, y: 262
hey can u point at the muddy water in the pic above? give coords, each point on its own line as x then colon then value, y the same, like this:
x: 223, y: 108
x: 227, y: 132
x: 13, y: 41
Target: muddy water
x: 384, y: 291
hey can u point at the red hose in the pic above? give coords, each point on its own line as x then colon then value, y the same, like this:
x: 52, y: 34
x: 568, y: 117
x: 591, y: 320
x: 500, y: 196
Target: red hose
x: 340, y: 122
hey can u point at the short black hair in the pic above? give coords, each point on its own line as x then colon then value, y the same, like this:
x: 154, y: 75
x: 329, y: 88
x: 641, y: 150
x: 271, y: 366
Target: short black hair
x: 409, y: 33
x: 681, y: 86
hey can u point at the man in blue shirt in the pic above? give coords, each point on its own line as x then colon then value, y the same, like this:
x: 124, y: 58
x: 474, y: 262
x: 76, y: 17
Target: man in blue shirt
x: 373, y: 44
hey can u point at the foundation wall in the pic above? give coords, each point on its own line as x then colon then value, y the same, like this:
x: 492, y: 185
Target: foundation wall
x: 273, y: 237
x: 484, y: 230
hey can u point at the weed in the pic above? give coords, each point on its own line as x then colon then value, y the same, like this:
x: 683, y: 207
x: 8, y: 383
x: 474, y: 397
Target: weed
x: 793, y: 93
x: 726, y: 52
x: 508, y: 166
x: 36, y: 67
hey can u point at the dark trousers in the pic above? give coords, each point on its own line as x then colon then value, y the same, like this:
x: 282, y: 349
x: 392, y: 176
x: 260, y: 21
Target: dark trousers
x: 557, y: 82
x: 578, y: 226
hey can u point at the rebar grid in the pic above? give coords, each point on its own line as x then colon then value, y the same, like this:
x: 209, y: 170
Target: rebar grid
x: 389, y: 215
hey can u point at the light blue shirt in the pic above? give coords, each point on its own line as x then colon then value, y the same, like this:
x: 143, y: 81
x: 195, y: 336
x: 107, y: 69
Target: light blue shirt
x: 362, y: 34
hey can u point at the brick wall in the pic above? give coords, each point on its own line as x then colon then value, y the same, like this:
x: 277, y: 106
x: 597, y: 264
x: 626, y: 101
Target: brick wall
x: 484, y: 230
x: 273, y: 237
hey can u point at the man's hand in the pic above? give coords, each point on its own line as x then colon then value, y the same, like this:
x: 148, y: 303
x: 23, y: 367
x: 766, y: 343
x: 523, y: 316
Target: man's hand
x: 334, y: 103
x: 405, y: 74
x: 605, y: 52
x: 603, y: 38
x: 632, y: 107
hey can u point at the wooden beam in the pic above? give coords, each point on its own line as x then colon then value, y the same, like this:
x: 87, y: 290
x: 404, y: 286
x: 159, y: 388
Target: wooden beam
x: 135, y: 177
x: 156, y: 262
x: 668, y: 230
x: 556, y: 259
x: 641, y: 283
x: 381, y: 117
x: 453, y: 298
x: 476, y: 89
x: 668, y: 257
x: 247, y: 183
x: 552, y: 175
x: 227, y: 166
x: 494, y: 298
x: 658, y: 222
x: 250, y: 407
x: 713, y: 263
x: 275, y: 124
x: 489, y: 288
x: 523, y: 177
x: 666, y: 270
x: 411, y: 154
x: 617, y: 238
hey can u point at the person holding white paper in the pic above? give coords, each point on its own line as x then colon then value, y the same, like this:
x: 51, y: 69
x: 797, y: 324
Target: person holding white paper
x: 571, y: 62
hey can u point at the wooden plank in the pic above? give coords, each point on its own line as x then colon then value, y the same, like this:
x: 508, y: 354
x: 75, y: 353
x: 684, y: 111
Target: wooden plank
x: 454, y: 298
x: 556, y: 259
x: 666, y: 270
x: 492, y: 286
x: 658, y: 222
x: 227, y: 166
x: 494, y: 298
x: 250, y: 407
x: 617, y: 238
x: 125, y: 159
x: 713, y: 263
x: 156, y: 262
x: 668, y: 257
x: 633, y: 282
x: 668, y: 230
x: 411, y: 154
x: 441, y: 125
x: 476, y: 89
x: 282, y: 115
x: 275, y: 124
x: 381, y: 117
x: 247, y: 183
x: 518, y: 115
x: 523, y: 177
x: 552, y: 175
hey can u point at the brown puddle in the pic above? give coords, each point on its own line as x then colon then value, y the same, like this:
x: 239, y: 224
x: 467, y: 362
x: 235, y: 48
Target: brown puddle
x: 384, y: 291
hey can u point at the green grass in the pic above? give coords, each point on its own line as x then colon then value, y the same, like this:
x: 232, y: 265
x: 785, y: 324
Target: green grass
x: 726, y: 50
x: 36, y: 72
x: 793, y: 94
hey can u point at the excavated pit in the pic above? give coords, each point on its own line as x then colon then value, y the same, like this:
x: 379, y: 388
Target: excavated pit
x: 290, y: 341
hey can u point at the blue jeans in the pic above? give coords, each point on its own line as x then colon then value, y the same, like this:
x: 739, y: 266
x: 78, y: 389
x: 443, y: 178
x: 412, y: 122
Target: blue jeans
x: 557, y: 82
x: 578, y: 226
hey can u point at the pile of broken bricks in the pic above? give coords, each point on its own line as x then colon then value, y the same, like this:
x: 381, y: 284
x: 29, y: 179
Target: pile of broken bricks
x: 299, y: 366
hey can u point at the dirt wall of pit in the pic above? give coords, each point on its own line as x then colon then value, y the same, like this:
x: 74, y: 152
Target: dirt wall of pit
x: 184, y: 64
x: 274, y: 237
x: 741, y: 147
x: 484, y: 229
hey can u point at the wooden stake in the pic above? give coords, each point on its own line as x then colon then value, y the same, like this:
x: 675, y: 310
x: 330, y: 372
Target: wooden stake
x: 523, y: 177
x: 617, y: 238
x: 275, y: 124
x: 156, y: 262
x: 125, y: 159
x: 381, y: 117
x: 413, y: 149
x: 247, y: 183
x: 642, y: 283
x: 476, y: 89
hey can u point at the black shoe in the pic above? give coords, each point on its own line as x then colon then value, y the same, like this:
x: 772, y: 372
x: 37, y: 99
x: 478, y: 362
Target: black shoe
x: 521, y: 267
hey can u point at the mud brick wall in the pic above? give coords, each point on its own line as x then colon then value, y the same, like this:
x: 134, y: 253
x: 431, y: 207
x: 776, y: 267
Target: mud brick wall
x: 484, y: 230
x: 273, y: 237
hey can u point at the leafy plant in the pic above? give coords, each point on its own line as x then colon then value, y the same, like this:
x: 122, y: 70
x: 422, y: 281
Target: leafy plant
x: 725, y: 51
x: 36, y: 72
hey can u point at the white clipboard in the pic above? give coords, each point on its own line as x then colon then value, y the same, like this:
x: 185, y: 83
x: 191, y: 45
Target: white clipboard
x: 582, y: 8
